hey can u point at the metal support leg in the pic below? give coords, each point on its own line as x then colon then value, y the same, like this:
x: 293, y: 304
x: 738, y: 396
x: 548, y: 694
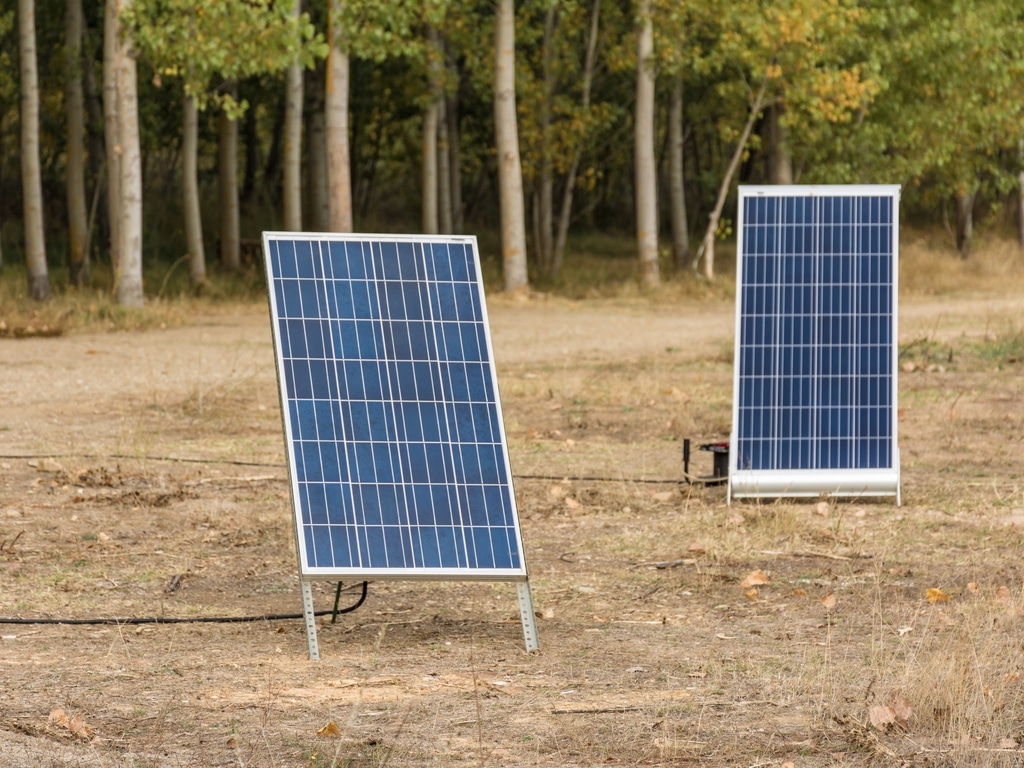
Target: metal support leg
x: 307, y: 610
x: 528, y: 616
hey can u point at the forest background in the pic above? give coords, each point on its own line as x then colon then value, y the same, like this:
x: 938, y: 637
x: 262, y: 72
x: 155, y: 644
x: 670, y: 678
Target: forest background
x: 145, y: 144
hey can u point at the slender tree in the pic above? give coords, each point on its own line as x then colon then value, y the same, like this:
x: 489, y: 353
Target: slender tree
x: 429, y: 148
x: 190, y: 190
x: 31, y: 175
x: 339, y: 171
x: 227, y: 187
x: 75, y: 103
x: 111, y: 43
x: 293, y: 142
x: 677, y: 179
x: 510, y: 172
x: 129, y: 282
x: 644, y: 157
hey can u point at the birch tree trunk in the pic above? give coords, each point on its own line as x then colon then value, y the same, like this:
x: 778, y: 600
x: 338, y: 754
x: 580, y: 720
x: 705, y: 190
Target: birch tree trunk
x: 129, y: 284
x: 644, y: 160
x: 429, y: 146
x: 111, y: 43
x: 570, y: 180
x: 293, y: 144
x: 190, y: 188
x: 31, y: 177
x: 677, y: 179
x: 78, y: 257
x: 707, y: 247
x: 227, y: 187
x: 510, y: 172
x: 339, y: 171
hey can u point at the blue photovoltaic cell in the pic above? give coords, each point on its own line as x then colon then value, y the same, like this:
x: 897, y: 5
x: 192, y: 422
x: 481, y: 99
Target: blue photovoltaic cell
x: 396, y: 446
x: 816, y: 331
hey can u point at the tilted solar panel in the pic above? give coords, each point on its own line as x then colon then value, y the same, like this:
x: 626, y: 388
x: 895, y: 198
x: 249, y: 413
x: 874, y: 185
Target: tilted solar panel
x: 814, y: 404
x: 396, y: 446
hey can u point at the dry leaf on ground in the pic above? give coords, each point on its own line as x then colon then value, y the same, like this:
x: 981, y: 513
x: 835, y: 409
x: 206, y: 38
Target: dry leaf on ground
x: 829, y: 601
x: 901, y: 707
x: 1003, y: 593
x: 881, y: 716
x: 972, y: 587
x: 755, y: 579
x: 935, y: 595
x: 330, y: 730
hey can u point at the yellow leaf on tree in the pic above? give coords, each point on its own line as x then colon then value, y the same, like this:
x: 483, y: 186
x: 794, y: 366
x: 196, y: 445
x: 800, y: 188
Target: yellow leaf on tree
x: 937, y: 596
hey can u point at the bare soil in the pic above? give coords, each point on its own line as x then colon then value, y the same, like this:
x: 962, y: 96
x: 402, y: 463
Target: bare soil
x: 143, y: 474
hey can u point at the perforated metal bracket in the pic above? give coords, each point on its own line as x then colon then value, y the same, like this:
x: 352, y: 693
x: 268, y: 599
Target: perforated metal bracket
x: 307, y: 611
x: 528, y: 616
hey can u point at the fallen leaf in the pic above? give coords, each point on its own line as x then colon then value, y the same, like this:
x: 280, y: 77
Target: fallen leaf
x: 751, y: 593
x: 755, y: 579
x: 822, y: 508
x: 881, y: 716
x: 1003, y: 593
x: 662, y: 496
x: 972, y: 587
x: 901, y: 706
x: 232, y: 743
x: 571, y: 503
x: 829, y: 601
x: 78, y: 727
x: 1008, y: 744
x: 696, y: 549
x: 788, y: 764
x: 937, y: 595
x: 59, y: 717
x: 330, y: 730
x: 799, y: 591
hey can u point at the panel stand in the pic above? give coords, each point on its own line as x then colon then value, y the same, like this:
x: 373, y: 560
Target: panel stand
x: 307, y: 612
x: 528, y: 616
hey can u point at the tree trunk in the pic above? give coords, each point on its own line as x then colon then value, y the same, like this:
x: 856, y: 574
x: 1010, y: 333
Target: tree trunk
x: 318, y: 208
x: 31, y: 175
x: 190, y: 187
x: 95, y: 139
x: 646, y: 171
x: 227, y: 187
x: 677, y: 179
x: 510, y: 171
x: 78, y: 257
x: 429, y: 146
x: 293, y: 144
x: 129, y: 284
x: 339, y: 170
x: 444, y: 174
x: 780, y: 156
x: 707, y: 247
x: 451, y: 112
x: 111, y: 44
x: 964, y: 222
x: 570, y: 180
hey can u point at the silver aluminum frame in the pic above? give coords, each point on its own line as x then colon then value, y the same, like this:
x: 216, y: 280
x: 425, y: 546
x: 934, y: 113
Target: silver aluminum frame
x: 306, y: 575
x: 745, y: 483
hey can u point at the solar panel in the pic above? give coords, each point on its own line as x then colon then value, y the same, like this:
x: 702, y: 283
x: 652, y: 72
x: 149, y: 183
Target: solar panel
x: 814, y: 405
x: 396, y: 446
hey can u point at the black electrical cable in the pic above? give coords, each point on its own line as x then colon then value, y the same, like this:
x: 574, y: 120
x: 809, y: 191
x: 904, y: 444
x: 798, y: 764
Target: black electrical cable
x: 195, y: 620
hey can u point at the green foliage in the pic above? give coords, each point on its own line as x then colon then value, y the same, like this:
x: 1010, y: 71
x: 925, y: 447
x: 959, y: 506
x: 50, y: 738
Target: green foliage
x: 198, y: 41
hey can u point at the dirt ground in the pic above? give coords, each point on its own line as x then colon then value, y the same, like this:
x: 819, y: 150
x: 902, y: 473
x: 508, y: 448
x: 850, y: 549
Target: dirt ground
x: 142, y: 474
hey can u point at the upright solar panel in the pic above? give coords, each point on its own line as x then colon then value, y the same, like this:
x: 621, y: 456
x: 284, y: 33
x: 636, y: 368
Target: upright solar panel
x: 396, y: 445
x: 814, y: 404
